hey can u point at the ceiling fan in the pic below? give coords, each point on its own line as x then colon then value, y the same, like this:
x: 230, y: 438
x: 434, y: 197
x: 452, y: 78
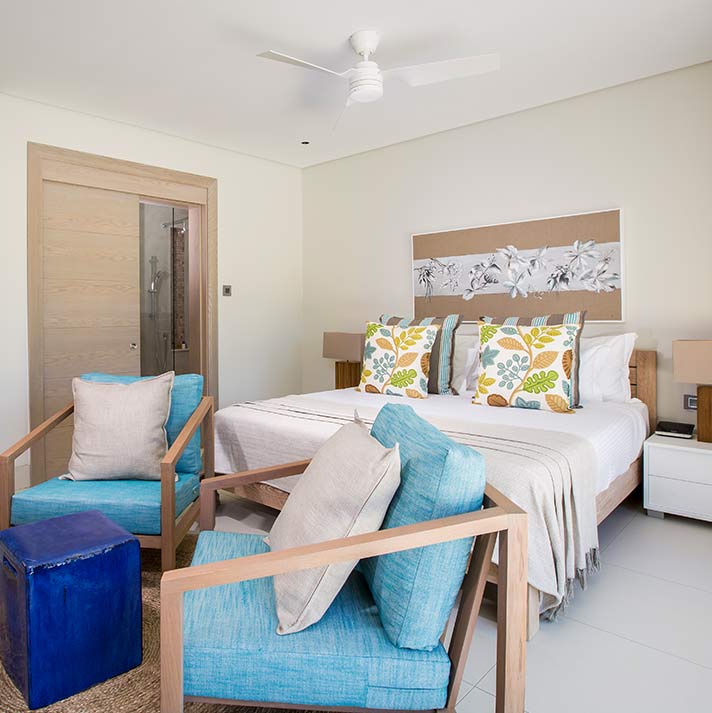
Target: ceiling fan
x: 366, y: 77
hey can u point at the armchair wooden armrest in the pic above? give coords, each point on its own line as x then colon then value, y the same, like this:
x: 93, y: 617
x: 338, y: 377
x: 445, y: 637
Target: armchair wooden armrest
x: 8, y: 458
x: 202, y: 415
x: 503, y: 518
x: 208, y: 488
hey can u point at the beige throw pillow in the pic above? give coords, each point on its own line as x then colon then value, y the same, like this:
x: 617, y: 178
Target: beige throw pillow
x: 345, y: 491
x: 119, y: 429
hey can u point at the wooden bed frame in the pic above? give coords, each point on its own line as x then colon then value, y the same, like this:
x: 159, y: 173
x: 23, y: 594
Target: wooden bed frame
x: 643, y: 385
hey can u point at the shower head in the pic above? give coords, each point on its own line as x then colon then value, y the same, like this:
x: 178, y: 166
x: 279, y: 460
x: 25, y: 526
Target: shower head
x: 178, y: 225
x: 156, y: 282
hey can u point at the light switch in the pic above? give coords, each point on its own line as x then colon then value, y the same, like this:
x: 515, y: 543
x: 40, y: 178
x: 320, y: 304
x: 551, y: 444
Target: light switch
x: 227, y: 290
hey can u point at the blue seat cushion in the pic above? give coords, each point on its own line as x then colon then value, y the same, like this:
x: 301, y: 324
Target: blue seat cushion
x: 133, y: 504
x: 232, y: 650
x: 185, y: 397
x: 415, y: 590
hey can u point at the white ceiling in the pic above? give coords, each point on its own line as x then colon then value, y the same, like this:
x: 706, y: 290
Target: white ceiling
x: 189, y: 68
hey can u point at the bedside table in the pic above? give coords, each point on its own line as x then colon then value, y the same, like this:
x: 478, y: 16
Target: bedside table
x: 677, y: 477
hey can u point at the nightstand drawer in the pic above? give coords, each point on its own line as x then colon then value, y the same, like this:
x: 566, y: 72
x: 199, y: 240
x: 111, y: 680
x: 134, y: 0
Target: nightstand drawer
x: 681, y: 464
x: 679, y: 497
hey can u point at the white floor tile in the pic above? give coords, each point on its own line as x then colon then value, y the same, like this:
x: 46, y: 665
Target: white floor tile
x: 667, y: 616
x: 483, y: 651
x: 476, y: 701
x: 677, y: 549
x: 236, y: 515
x: 616, y: 522
x: 574, y: 667
x: 465, y: 688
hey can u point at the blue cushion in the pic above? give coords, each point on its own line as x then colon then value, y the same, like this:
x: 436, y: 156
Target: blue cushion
x: 133, y: 504
x: 185, y: 397
x: 231, y: 650
x: 415, y: 590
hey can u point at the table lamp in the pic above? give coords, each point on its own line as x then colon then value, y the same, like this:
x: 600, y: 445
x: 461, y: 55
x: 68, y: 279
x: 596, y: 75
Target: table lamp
x: 347, y: 349
x: 692, y: 364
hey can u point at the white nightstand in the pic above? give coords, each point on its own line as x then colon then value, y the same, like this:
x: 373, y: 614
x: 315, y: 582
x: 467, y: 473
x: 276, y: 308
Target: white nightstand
x: 677, y: 477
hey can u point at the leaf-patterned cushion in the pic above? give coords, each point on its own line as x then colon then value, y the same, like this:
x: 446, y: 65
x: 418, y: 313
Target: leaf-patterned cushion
x: 527, y: 366
x: 396, y: 360
x: 545, y: 319
x: 443, y: 354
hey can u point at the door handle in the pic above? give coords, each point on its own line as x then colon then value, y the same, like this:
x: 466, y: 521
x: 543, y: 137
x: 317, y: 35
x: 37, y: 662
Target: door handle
x: 133, y: 346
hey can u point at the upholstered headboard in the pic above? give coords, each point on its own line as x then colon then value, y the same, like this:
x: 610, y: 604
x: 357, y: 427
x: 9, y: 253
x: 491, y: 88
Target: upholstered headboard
x: 643, y: 374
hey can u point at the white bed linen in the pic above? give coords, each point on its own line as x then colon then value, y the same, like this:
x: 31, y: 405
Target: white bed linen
x: 616, y: 431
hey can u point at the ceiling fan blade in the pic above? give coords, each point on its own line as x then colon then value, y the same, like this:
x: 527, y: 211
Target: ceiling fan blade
x: 280, y: 57
x: 418, y: 75
x: 341, y: 113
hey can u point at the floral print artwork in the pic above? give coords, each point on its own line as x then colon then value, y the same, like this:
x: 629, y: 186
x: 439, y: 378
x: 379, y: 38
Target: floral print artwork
x: 526, y: 366
x: 396, y: 360
x: 521, y: 273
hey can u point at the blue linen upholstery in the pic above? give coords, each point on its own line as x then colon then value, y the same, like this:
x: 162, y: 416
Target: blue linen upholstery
x: 133, y: 504
x: 232, y: 650
x: 415, y: 590
x: 185, y: 397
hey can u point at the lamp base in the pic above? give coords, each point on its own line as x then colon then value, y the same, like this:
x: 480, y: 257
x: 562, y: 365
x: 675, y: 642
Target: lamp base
x: 704, y: 414
x: 347, y: 374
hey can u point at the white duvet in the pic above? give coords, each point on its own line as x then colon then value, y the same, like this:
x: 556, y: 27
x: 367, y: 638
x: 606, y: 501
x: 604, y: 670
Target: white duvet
x: 616, y: 431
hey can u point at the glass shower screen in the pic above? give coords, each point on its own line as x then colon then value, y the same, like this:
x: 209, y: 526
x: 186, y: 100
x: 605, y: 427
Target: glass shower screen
x: 163, y: 280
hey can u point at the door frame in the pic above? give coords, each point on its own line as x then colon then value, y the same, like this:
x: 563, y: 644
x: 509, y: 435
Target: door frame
x: 199, y: 193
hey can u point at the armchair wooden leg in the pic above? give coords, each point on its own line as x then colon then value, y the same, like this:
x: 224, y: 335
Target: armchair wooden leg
x: 208, y: 500
x: 171, y: 652
x: 7, y: 488
x: 532, y: 612
x: 512, y: 617
x: 168, y: 554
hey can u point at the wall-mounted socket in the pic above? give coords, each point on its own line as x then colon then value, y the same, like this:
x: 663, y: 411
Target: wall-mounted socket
x: 689, y: 402
x: 227, y: 290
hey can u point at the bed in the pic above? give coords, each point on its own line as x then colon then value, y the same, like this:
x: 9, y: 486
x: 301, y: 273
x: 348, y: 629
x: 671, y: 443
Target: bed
x: 533, y: 457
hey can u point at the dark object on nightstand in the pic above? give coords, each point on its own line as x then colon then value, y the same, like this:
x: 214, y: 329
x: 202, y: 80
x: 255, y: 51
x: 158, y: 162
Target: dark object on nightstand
x: 674, y: 429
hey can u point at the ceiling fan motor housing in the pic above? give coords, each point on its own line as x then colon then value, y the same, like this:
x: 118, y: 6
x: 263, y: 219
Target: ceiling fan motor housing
x: 365, y: 82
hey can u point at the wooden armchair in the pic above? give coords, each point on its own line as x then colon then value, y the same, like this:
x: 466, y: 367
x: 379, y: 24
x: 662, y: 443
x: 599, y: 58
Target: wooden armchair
x: 117, y: 498
x: 498, y: 517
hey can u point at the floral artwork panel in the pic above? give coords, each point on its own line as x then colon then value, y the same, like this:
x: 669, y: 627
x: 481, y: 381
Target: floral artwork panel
x: 396, y: 360
x: 520, y: 273
x: 552, y: 265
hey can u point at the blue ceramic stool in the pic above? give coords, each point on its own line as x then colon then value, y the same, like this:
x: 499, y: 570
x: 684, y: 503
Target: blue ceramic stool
x: 70, y: 605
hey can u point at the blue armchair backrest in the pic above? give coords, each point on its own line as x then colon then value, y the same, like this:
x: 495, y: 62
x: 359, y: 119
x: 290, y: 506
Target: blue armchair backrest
x: 185, y: 397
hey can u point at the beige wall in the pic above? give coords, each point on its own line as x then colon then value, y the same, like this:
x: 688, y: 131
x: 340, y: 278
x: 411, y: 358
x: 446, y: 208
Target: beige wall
x: 645, y: 147
x: 259, y: 248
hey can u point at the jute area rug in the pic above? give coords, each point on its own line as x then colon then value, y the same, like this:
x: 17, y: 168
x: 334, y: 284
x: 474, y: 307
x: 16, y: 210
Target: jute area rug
x: 137, y: 691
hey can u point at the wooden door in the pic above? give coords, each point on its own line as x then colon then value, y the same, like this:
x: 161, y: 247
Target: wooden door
x: 90, y: 299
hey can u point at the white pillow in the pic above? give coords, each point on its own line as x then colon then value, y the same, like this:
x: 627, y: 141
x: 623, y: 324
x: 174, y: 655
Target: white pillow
x: 473, y: 363
x: 465, y: 357
x: 120, y: 429
x: 603, y: 372
x: 346, y: 490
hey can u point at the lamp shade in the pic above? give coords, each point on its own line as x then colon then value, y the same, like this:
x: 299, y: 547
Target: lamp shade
x: 343, y: 346
x: 692, y: 361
